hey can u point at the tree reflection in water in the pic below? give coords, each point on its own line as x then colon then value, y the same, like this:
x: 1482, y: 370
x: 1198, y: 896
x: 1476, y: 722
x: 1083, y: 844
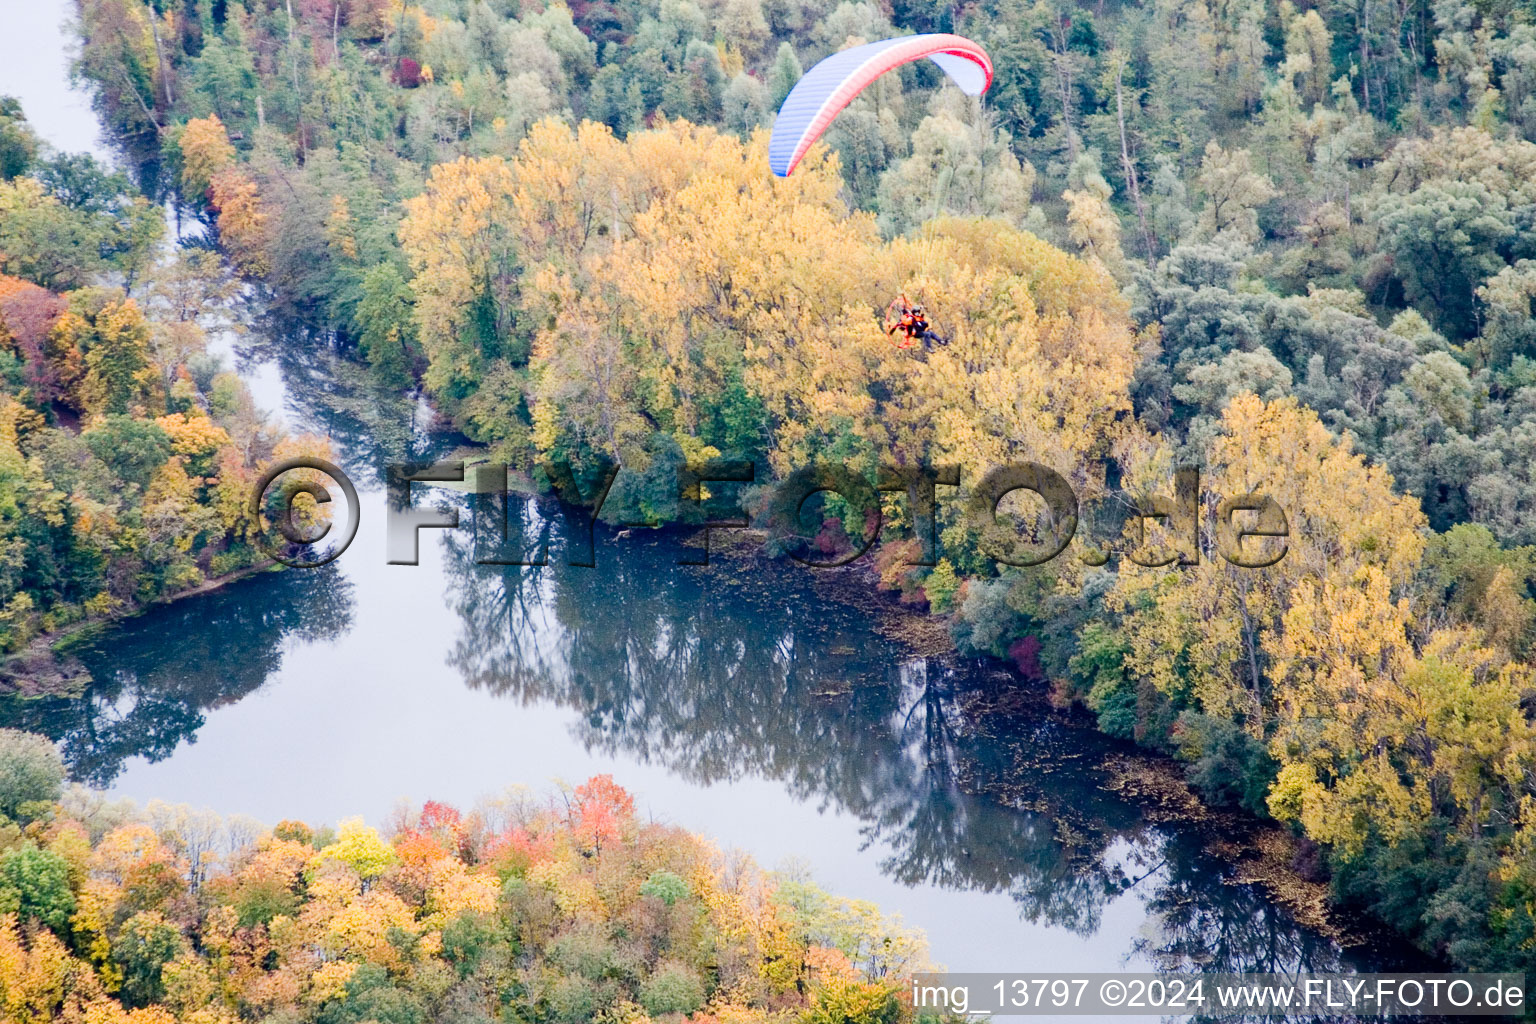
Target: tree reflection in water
x: 740, y: 669
x: 328, y: 393
x: 736, y: 670
x: 151, y: 680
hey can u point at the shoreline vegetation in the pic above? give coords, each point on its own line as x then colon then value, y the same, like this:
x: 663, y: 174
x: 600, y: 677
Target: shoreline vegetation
x: 1291, y: 244
x: 127, y: 448
x: 567, y: 908
x: 44, y: 666
x: 1262, y: 854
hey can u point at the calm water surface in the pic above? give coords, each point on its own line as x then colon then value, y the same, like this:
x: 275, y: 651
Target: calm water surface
x: 734, y: 701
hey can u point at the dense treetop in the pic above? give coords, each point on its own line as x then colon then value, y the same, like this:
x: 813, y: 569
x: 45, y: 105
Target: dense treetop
x: 570, y: 909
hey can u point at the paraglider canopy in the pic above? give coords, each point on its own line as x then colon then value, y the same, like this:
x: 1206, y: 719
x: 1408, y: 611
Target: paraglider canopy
x: 832, y: 84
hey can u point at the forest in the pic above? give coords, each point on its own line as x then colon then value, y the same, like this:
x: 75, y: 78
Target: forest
x: 566, y: 908
x: 127, y: 448
x: 1291, y: 244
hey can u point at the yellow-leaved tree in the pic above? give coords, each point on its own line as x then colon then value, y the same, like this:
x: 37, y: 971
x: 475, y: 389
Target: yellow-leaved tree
x: 670, y: 285
x: 459, y: 238
x: 205, y: 151
x: 1205, y: 632
x: 1040, y: 357
x: 1376, y: 732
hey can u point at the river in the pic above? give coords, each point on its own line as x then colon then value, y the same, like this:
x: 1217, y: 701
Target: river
x: 737, y: 701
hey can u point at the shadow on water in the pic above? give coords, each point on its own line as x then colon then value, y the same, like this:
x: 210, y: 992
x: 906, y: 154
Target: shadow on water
x: 148, y: 682
x: 733, y: 671
x: 151, y: 680
x: 742, y: 670
x: 716, y: 674
x: 326, y: 391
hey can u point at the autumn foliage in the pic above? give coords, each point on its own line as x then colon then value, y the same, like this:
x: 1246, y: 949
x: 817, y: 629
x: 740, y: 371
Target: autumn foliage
x: 1289, y: 243
x: 126, y: 456
x: 564, y: 910
x: 675, y: 286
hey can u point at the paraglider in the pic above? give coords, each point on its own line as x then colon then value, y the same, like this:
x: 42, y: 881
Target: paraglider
x: 832, y: 84
x: 912, y: 323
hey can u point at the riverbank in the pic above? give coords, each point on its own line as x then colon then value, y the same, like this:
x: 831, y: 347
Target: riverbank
x: 1254, y: 853
x: 45, y: 666
x: 786, y: 723
x: 1261, y: 854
